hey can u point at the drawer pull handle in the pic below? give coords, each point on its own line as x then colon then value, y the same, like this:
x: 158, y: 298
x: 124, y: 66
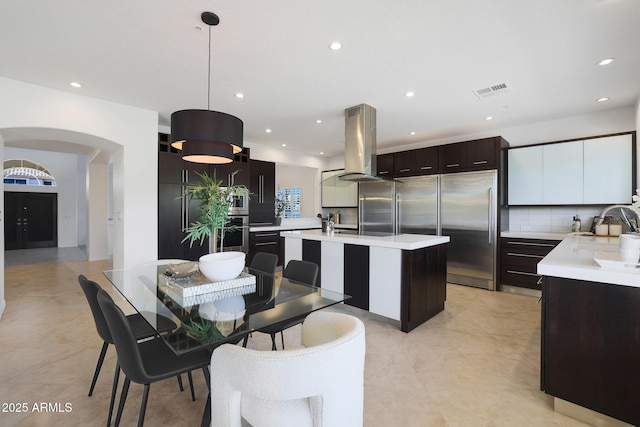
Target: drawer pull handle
x: 480, y: 162
x: 453, y: 165
x: 545, y: 245
x: 525, y: 255
x: 266, y: 235
x: 523, y: 273
x: 426, y: 168
x: 383, y: 172
x: 266, y: 243
x: 405, y: 170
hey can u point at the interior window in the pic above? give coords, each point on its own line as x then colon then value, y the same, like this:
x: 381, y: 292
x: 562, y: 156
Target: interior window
x: 25, y: 172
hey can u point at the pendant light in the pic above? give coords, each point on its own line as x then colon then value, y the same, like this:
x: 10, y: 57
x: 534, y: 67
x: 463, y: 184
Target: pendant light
x: 206, y: 136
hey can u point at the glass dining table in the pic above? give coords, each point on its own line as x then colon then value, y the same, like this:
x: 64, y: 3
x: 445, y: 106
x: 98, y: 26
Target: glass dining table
x: 207, y: 320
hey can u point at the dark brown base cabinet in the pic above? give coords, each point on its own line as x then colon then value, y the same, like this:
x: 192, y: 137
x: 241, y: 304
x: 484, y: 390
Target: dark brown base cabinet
x: 264, y: 241
x: 591, y: 346
x: 519, y: 260
x: 424, y: 285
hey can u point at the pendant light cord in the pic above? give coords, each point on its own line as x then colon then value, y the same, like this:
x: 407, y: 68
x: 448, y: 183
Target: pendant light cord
x: 209, y: 74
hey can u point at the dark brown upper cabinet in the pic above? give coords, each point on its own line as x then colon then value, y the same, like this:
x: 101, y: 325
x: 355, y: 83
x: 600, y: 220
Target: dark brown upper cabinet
x: 422, y: 161
x: 479, y: 154
x: 385, y: 165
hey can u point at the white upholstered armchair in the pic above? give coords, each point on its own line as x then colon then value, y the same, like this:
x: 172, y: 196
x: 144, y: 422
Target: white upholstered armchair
x: 320, y: 384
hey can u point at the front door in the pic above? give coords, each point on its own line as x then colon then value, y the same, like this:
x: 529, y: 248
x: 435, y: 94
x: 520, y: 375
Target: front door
x: 31, y: 220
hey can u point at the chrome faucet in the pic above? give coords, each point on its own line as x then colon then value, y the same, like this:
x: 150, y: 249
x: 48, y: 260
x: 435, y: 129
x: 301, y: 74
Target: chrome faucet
x: 625, y: 218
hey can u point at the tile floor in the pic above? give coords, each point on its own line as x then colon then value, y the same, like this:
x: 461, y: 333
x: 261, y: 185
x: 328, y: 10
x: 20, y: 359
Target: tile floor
x: 475, y: 364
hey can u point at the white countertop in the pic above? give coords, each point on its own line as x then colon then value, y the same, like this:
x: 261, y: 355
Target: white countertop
x: 290, y: 224
x: 533, y: 235
x: 398, y: 241
x: 298, y: 224
x: 573, y: 259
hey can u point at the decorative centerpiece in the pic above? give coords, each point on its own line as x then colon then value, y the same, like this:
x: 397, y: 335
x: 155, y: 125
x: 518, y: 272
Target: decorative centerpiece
x: 215, y: 204
x: 221, y: 266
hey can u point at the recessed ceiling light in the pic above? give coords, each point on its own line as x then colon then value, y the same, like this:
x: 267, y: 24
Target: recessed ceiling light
x: 603, y: 99
x: 606, y: 61
x: 322, y: 153
x: 412, y: 133
x: 239, y: 95
x: 488, y: 118
x: 409, y: 94
x: 267, y: 130
x: 75, y: 84
x: 318, y: 121
x: 335, y: 46
x: 284, y: 145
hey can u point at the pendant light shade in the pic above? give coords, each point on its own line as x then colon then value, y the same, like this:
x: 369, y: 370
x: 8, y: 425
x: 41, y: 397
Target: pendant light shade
x: 206, y: 136
x: 207, y: 152
x: 206, y: 126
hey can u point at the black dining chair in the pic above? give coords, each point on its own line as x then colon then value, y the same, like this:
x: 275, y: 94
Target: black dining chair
x: 264, y: 262
x: 298, y: 271
x: 139, y: 327
x: 145, y: 362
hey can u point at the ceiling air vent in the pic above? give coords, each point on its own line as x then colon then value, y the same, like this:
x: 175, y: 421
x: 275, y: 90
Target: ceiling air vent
x: 492, y: 90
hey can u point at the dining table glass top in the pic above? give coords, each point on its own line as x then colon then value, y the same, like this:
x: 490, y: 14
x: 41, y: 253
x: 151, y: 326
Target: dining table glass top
x: 206, y: 320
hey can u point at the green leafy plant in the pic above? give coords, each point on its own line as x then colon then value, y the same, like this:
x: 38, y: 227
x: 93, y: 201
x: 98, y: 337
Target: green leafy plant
x: 204, y: 331
x: 215, y: 202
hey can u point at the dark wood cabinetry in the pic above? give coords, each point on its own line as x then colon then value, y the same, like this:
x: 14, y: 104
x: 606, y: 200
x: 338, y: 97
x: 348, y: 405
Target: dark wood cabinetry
x: 384, y: 165
x: 479, y: 154
x: 262, y: 184
x: 264, y: 241
x: 519, y: 259
x: 422, y: 161
x: 424, y: 285
x: 591, y: 346
x: 174, y: 212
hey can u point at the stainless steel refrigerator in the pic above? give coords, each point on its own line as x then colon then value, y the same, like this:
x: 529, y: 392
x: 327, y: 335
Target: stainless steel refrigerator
x: 463, y: 206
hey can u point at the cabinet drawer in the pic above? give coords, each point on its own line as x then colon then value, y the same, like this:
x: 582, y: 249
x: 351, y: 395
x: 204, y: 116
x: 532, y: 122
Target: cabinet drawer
x: 522, y: 259
x: 518, y: 276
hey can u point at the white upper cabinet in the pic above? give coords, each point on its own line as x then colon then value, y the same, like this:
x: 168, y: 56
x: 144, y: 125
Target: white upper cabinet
x: 525, y: 176
x: 595, y: 171
x: 562, y: 166
x: 337, y: 193
x: 608, y: 169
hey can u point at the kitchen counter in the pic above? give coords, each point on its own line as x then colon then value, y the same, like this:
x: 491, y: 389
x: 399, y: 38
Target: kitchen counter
x: 400, y: 277
x: 590, y: 343
x: 573, y: 259
x: 298, y: 224
x: 533, y: 235
x: 399, y: 241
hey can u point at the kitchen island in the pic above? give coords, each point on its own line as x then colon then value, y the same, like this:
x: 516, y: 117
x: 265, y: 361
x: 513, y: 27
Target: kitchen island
x: 590, y: 352
x: 401, y: 277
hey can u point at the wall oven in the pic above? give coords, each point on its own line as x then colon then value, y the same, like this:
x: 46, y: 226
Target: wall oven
x: 240, y: 203
x: 237, y: 240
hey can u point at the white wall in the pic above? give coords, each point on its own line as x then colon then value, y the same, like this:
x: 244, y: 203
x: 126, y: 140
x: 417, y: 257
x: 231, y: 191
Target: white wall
x: 127, y: 133
x: 288, y: 176
x: 63, y: 167
x: 283, y: 157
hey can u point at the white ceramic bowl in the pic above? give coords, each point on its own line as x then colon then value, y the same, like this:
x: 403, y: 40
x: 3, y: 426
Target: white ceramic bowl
x: 222, y: 266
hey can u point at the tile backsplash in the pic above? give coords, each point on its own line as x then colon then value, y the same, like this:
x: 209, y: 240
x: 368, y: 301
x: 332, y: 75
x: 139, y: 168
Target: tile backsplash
x: 551, y: 219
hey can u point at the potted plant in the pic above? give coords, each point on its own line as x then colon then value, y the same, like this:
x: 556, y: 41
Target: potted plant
x: 215, y: 203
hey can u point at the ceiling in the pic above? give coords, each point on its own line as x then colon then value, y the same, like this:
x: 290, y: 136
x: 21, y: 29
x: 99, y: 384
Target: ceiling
x: 150, y: 54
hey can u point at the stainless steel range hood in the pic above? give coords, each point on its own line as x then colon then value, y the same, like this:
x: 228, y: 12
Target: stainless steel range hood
x: 360, y: 144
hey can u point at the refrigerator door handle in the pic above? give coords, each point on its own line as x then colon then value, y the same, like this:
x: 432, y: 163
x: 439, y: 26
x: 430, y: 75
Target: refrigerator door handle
x: 490, y: 213
x: 396, y: 228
